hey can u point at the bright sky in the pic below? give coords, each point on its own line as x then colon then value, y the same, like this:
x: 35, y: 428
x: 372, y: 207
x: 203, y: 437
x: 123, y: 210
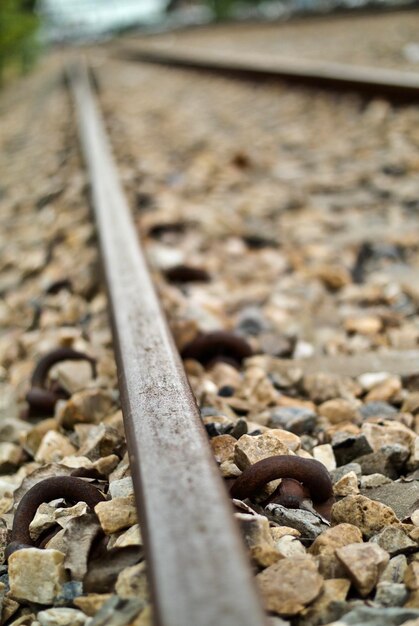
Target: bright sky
x: 101, y: 11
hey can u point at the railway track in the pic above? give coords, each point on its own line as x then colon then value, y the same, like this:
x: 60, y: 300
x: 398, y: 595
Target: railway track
x: 398, y: 86
x: 197, y: 568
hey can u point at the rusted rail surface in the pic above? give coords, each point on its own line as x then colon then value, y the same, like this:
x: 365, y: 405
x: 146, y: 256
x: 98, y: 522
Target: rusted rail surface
x: 198, y: 569
x: 396, y: 85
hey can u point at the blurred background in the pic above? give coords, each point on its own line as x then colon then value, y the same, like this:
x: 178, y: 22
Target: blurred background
x: 27, y: 27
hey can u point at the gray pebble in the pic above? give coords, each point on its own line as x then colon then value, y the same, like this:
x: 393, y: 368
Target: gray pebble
x: 394, y: 541
x: 70, y: 590
x: 121, y: 488
x: 388, y: 461
x: 251, y: 321
x: 374, y: 480
x: 340, y: 472
x: 295, y: 419
x: 395, y: 570
x: 377, y: 409
x: 369, y: 616
x: 349, y: 447
x: 309, y: 525
x: 391, y: 594
x: 402, y: 497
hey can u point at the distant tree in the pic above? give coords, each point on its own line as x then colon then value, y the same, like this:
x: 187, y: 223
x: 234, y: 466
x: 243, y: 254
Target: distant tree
x: 18, y: 26
x: 223, y: 9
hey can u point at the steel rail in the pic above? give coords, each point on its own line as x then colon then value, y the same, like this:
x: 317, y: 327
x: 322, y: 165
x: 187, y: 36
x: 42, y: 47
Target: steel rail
x: 199, y: 573
x: 396, y: 85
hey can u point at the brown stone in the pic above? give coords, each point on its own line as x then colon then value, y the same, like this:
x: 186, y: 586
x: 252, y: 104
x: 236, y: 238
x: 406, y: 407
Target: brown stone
x: 411, y: 577
x: 116, y: 514
x: 388, y: 433
x: 347, y: 485
x: 366, y: 325
x: 413, y: 602
x: 250, y: 449
x: 334, y: 590
x: 88, y: 406
x: 256, y: 533
x: 367, y: 515
x: 280, y: 531
x: 36, y: 575
x: 364, y: 563
x: 289, y: 585
x: 31, y: 439
x: 336, y: 537
x: 223, y: 447
x: 385, y: 391
x: 53, y: 447
x: 92, y: 602
x: 338, y: 410
x: 132, y: 582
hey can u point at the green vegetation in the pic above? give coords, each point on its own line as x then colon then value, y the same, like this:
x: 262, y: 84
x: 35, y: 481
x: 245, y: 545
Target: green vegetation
x: 18, y: 37
x: 222, y: 9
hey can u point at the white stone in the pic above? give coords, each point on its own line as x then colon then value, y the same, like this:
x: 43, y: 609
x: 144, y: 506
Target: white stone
x: 121, y: 488
x: 61, y: 617
x: 371, y: 379
x: 73, y: 376
x: 325, y: 455
x: 10, y: 454
x: 165, y: 257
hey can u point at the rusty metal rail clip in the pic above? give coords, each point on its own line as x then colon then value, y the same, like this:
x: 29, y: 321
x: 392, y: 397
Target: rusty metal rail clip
x: 302, y: 478
x: 69, y: 487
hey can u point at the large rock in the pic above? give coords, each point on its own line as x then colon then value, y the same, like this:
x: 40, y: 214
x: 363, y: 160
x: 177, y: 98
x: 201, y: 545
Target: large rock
x: 36, y: 575
x: 367, y: 515
x: 53, y: 448
x: 388, y: 433
x: 296, y: 419
x: 289, y: 585
x: 388, y: 460
x: 116, y: 514
x: 325, y: 546
x: 335, y: 537
x: 349, y: 447
x: 402, y: 497
x: 91, y: 603
x: 394, y: 541
x: 364, y: 563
